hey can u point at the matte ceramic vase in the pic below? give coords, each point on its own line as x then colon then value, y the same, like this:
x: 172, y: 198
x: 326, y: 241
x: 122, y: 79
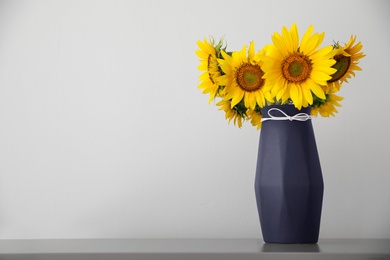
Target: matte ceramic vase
x: 288, y: 184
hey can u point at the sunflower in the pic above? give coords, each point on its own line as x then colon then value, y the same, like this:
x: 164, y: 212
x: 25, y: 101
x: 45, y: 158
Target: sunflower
x: 295, y: 70
x: 347, y: 58
x: 208, y: 53
x: 326, y: 107
x: 243, y: 77
x: 236, y: 113
x: 255, y: 116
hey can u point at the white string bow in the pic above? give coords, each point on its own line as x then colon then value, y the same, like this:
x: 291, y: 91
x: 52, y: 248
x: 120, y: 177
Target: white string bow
x: 297, y: 117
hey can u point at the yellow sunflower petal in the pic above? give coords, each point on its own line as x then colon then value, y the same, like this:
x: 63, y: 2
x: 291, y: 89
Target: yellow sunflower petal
x: 316, y: 89
x: 306, y: 38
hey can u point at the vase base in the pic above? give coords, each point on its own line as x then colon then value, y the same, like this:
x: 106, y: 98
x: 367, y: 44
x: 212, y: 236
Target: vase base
x: 290, y: 247
x: 291, y: 242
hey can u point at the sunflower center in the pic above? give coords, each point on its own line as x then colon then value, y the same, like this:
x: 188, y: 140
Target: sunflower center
x: 296, y: 68
x: 342, y: 65
x: 249, y: 77
x: 208, y: 68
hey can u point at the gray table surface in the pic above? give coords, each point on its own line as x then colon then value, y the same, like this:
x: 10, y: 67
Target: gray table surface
x: 191, y: 249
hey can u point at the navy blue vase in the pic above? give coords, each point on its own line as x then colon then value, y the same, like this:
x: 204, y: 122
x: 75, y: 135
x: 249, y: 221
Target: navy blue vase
x: 288, y: 185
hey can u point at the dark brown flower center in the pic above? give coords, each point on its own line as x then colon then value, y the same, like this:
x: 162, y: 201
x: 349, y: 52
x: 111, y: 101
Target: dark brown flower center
x: 296, y: 68
x: 249, y: 77
x: 342, y: 65
x: 208, y: 68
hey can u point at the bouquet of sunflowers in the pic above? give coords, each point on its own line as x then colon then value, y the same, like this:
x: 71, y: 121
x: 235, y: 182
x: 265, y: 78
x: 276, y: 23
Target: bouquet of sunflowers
x: 288, y: 71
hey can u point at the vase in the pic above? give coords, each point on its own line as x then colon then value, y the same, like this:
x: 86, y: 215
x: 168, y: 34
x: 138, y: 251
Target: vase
x: 288, y: 184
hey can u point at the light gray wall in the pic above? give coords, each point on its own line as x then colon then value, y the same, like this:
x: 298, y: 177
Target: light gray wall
x: 104, y: 134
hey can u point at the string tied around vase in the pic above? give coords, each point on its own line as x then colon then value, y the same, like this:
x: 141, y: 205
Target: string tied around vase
x: 297, y: 117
